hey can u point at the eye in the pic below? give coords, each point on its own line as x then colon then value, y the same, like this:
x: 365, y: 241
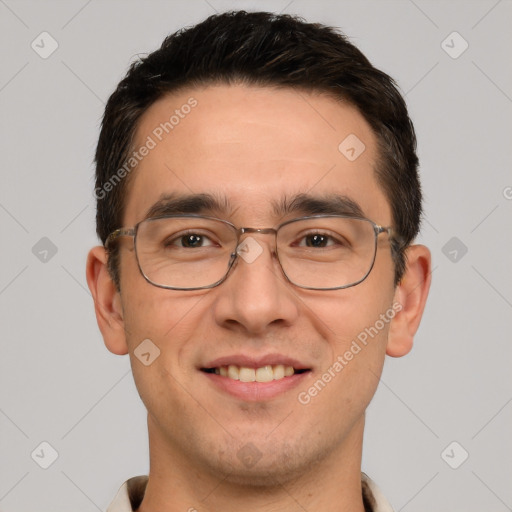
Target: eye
x: 317, y: 240
x: 189, y: 240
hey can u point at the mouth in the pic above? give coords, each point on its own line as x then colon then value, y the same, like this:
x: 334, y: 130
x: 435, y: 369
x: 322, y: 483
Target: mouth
x: 266, y: 373
x: 255, y: 379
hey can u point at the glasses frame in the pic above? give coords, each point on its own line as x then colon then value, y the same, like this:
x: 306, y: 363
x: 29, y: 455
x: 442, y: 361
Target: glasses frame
x: 132, y: 232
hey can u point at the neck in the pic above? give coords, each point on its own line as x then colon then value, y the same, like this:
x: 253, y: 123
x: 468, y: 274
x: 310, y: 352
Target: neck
x: 332, y: 484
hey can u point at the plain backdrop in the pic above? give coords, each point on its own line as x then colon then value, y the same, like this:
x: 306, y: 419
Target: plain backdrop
x: 438, y: 431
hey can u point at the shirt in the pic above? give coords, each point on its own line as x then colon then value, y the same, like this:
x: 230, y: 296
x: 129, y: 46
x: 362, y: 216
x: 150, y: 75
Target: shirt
x: 130, y: 495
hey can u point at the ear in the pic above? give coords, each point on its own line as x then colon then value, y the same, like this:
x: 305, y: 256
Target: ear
x: 411, y: 293
x: 107, y: 301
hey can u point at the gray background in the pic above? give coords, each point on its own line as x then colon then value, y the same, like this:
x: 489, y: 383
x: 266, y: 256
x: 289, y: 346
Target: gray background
x: 59, y: 384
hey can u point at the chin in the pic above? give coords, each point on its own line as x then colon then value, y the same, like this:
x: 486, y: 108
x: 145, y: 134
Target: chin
x: 268, y: 478
x: 273, y: 466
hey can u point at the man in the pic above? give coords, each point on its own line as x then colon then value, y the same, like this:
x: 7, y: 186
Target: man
x: 258, y: 199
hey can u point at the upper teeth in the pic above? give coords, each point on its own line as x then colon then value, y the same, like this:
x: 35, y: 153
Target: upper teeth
x: 263, y: 374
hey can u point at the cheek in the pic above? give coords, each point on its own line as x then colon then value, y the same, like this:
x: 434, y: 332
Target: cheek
x: 169, y: 319
x: 355, y: 324
x: 160, y: 323
x: 152, y: 312
x: 163, y: 325
x: 362, y: 313
x: 345, y: 386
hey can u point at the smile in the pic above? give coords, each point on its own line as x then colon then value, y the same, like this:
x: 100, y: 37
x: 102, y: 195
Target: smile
x: 265, y: 373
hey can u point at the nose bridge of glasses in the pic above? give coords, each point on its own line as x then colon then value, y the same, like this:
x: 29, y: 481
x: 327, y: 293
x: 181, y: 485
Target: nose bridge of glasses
x: 241, y: 239
x: 243, y: 231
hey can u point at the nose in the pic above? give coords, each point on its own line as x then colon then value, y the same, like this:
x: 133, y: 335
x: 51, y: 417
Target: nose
x: 256, y: 296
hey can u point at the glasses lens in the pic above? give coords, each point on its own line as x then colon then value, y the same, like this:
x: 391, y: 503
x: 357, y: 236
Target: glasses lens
x: 327, y: 252
x: 184, y: 252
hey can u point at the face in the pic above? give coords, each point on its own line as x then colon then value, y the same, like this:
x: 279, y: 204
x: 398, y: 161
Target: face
x: 252, y: 148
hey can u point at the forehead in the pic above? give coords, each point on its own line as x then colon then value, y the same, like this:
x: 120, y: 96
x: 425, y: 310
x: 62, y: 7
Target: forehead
x: 253, y: 147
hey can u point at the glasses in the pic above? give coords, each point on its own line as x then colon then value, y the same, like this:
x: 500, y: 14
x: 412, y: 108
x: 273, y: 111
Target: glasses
x: 194, y: 252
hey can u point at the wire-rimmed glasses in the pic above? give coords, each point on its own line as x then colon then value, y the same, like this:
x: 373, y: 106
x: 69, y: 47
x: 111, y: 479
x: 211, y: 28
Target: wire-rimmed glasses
x: 193, y: 252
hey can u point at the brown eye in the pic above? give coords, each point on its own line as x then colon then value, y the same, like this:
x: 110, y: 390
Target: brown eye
x: 192, y: 241
x: 189, y: 241
x: 316, y: 240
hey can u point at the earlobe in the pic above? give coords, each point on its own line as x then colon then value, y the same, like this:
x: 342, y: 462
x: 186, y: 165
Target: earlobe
x: 411, y: 293
x: 107, y: 301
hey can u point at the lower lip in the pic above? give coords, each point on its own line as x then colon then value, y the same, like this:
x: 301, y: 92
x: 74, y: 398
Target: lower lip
x: 256, y: 391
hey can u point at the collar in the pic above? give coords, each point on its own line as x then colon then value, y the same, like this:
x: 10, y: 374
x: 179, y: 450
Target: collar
x: 130, y: 495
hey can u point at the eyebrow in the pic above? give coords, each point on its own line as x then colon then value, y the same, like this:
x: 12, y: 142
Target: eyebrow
x: 300, y: 204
